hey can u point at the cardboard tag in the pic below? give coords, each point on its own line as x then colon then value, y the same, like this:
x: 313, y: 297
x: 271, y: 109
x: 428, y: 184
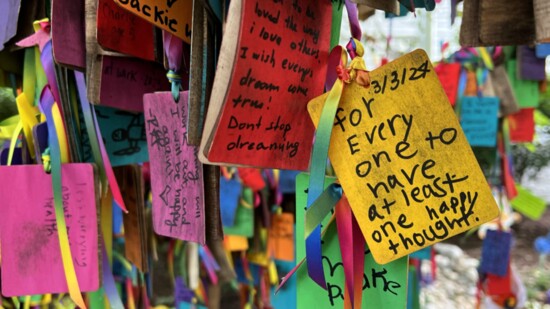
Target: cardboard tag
x: 522, y: 125
x: 281, y: 236
x: 494, y: 16
x: 394, y: 147
x: 384, y: 286
x: 31, y: 258
x: 449, y: 74
x: 526, y: 91
x: 541, y: 8
x: 69, y: 47
x: 230, y: 192
x: 530, y: 66
x: 121, y: 31
x: 269, y: 71
x: 173, y: 16
x: 244, y: 217
x: 503, y: 89
x: 528, y: 204
x: 136, y: 246
x: 479, y: 120
x: 176, y: 173
x: 124, y: 135
x: 129, y: 73
x: 495, y: 253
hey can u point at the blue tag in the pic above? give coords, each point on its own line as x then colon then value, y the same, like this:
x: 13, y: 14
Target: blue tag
x: 479, y: 119
x: 124, y: 135
x: 422, y: 254
x: 230, y: 191
x: 495, y: 253
x: 286, y: 297
x: 543, y: 50
x: 182, y: 293
x: 287, y: 181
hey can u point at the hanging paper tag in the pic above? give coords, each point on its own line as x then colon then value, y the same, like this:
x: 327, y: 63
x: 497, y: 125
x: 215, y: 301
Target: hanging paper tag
x: 281, y: 237
x: 171, y: 15
x: 121, y: 31
x: 526, y: 91
x: 176, y: 174
x: 495, y: 253
x: 503, y: 89
x: 252, y: 178
x: 31, y: 258
x: 230, y: 191
x: 394, y: 148
x: 522, y: 125
x: 129, y: 73
x: 530, y: 66
x: 448, y: 74
x: 479, y: 120
x: 528, y: 204
x: 384, y: 286
x: 69, y: 47
x: 124, y: 135
x: 267, y: 74
x: 244, y: 217
x: 136, y: 244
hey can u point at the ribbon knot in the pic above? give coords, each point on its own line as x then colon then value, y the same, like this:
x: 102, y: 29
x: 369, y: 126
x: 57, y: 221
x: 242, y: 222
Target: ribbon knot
x: 357, y: 70
x: 175, y: 80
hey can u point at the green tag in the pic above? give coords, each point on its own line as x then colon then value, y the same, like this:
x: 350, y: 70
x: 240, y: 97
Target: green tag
x: 528, y: 204
x: 244, y: 217
x: 526, y: 91
x: 384, y: 286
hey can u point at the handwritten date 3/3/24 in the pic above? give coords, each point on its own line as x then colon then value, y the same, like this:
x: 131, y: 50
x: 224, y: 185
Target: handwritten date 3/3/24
x: 398, y: 78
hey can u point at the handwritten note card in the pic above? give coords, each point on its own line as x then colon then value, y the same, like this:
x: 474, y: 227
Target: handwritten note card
x: 279, y: 66
x: 479, y: 120
x: 125, y: 80
x: 124, y: 135
x: 124, y: 32
x: 31, y: 258
x: 394, y: 147
x: 171, y: 15
x: 176, y: 173
x: 384, y: 286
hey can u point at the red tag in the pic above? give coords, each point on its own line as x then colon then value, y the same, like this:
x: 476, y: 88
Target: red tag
x: 522, y: 125
x: 448, y: 74
x: 252, y: 178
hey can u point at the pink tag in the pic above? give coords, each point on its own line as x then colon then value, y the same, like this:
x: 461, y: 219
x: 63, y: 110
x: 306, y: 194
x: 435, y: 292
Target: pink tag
x: 125, y: 80
x: 176, y: 173
x: 31, y: 257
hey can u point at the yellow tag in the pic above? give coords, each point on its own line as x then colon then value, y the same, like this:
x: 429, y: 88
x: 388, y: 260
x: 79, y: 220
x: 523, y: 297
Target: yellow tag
x: 235, y: 243
x: 171, y: 15
x: 403, y: 161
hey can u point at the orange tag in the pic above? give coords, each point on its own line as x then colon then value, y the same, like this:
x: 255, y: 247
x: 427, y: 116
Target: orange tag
x: 281, y: 237
x: 173, y: 16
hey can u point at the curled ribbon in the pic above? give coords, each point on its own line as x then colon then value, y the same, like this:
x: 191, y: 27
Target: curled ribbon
x: 356, y: 72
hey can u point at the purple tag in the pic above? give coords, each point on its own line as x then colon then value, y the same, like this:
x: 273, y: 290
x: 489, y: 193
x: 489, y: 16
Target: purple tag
x: 530, y: 66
